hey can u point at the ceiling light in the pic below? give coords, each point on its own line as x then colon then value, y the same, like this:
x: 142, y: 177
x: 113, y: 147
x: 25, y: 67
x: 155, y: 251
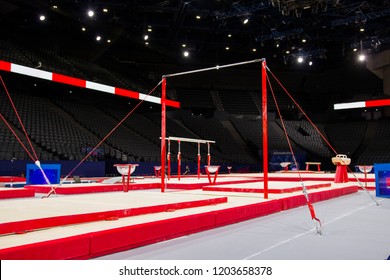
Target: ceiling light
x: 186, y: 53
x: 355, y: 49
x: 300, y: 59
x: 55, y: 7
x: 105, y: 10
x: 254, y: 50
x: 98, y: 38
x: 361, y: 29
x: 108, y: 41
x: 362, y: 57
x: 146, y: 37
x: 150, y: 29
x: 229, y: 35
x: 197, y: 17
x: 246, y: 20
x: 91, y: 13
x: 184, y: 45
x: 287, y: 52
x: 83, y: 29
x: 146, y: 43
x: 227, y: 48
x: 42, y: 18
x: 310, y: 63
x: 303, y: 40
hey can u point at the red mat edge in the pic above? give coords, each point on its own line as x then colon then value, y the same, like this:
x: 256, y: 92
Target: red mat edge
x: 274, y: 191
x: 16, y: 193
x: 35, y: 224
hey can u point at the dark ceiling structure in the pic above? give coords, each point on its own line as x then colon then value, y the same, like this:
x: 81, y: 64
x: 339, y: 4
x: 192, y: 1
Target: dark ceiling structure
x: 324, y: 32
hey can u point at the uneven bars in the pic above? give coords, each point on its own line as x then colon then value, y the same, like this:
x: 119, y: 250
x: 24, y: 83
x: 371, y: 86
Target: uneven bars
x: 214, y: 68
x: 189, y: 140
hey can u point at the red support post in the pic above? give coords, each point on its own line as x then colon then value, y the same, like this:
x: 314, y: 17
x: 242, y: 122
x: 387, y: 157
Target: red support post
x: 163, y: 132
x: 208, y: 154
x: 178, y: 161
x: 265, y: 127
x: 198, y: 160
x: 169, y: 160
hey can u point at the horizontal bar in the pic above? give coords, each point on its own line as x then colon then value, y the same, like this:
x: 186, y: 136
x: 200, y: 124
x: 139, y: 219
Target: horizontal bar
x: 182, y: 139
x: 214, y: 68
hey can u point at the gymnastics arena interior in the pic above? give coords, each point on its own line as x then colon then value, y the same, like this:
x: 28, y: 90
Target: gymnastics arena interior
x: 204, y: 150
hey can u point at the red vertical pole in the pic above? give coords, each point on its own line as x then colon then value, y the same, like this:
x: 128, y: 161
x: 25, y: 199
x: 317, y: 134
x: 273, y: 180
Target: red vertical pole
x: 169, y: 160
x: 265, y: 127
x: 178, y: 161
x: 198, y: 160
x: 163, y: 132
x: 208, y: 154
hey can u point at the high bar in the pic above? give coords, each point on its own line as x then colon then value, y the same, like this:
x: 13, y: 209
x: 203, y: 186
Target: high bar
x: 182, y: 139
x: 214, y: 68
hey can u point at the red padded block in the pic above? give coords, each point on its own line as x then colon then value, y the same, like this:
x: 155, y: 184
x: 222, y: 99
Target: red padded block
x: 232, y: 215
x: 15, y: 179
x: 148, y: 233
x: 15, y: 193
x: 350, y: 189
x: 293, y: 201
x: 75, y: 247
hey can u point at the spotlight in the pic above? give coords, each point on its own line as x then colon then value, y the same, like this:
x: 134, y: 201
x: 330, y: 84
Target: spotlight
x: 91, y: 13
x: 227, y: 48
x: 105, y: 10
x: 246, y: 20
x: 83, y: 29
x: 229, y: 35
x: 186, y: 53
x: 98, y: 38
x: 362, y: 57
x: 254, y: 50
x: 310, y: 63
x: 146, y: 37
x: 184, y: 45
x: 42, y: 18
x: 197, y: 17
x: 300, y: 59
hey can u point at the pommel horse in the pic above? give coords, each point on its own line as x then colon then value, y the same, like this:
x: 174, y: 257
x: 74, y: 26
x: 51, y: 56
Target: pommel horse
x: 341, y: 162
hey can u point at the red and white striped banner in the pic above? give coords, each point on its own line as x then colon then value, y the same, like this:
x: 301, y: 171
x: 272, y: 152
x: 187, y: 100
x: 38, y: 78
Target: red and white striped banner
x: 59, y: 78
x: 362, y: 104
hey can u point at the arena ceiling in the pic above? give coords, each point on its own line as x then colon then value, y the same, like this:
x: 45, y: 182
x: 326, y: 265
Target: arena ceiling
x: 324, y: 32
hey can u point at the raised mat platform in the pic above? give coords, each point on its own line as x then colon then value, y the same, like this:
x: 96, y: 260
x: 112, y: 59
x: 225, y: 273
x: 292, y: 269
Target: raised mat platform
x: 96, y: 224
